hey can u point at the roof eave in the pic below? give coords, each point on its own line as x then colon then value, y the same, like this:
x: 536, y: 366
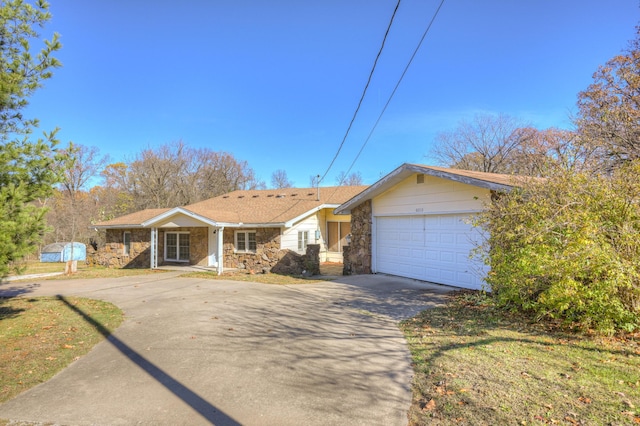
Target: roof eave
x: 293, y: 221
x: 406, y: 170
x: 115, y: 226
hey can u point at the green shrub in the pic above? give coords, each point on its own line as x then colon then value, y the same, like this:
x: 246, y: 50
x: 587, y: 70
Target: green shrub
x: 569, y: 248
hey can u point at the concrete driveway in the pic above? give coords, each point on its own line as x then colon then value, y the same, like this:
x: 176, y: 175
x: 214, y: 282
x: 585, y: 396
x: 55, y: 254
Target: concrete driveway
x: 194, y: 351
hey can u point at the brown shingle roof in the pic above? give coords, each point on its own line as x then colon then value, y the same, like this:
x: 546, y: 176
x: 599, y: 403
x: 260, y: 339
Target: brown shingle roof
x: 270, y: 206
x: 501, y: 179
x: 132, y: 219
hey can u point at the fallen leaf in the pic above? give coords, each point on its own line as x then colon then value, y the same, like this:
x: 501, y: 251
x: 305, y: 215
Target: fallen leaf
x: 430, y: 406
x: 584, y: 400
x: 68, y: 346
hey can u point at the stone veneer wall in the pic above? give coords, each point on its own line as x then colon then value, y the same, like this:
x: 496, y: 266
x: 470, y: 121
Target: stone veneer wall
x: 112, y: 254
x: 357, y: 256
x: 268, y: 256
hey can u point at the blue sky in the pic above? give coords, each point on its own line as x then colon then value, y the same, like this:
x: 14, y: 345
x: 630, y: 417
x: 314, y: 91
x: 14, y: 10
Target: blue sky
x: 276, y: 82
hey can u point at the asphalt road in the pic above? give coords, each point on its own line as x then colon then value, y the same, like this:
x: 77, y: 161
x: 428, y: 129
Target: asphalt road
x: 194, y: 351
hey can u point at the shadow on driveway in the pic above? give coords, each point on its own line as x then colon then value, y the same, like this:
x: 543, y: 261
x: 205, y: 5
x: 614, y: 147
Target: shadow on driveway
x: 206, y: 410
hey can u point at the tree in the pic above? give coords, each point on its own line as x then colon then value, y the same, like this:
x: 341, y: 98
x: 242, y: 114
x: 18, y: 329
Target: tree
x: 26, y: 165
x: 499, y: 144
x: 609, y: 109
x: 73, y: 208
x: 279, y: 179
x: 566, y: 248
x: 174, y: 175
x: 354, y: 179
x: 485, y: 144
x: 550, y: 151
x: 314, y: 181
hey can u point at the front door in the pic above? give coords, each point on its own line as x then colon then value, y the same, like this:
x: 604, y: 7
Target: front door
x: 177, y: 246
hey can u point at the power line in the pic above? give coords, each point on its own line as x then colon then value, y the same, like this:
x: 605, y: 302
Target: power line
x: 384, y: 39
x: 424, y: 35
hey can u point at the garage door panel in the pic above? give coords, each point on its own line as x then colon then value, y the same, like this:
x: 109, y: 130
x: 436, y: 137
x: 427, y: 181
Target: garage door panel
x: 404, y: 252
x: 432, y: 248
x: 448, y: 257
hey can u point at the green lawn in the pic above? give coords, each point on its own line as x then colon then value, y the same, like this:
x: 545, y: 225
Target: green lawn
x: 84, y: 270
x: 40, y: 336
x: 477, y: 365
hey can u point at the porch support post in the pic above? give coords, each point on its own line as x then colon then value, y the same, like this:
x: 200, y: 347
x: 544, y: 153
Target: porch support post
x: 220, y: 254
x: 154, y: 248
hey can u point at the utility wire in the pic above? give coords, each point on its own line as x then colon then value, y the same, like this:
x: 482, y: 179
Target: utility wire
x: 424, y: 35
x: 384, y: 39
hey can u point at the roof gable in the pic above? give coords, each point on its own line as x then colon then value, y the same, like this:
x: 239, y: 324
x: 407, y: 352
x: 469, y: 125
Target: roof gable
x: 493, y: 181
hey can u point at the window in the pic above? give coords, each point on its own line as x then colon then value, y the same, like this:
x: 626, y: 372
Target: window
x: 245, y: 241
x: 126, y: 240
x: 337, y: 235
x: 176, y: 246
x: 303, y: 237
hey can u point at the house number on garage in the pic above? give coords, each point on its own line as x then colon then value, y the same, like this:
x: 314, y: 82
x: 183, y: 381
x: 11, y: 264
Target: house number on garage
x: 419, y: 210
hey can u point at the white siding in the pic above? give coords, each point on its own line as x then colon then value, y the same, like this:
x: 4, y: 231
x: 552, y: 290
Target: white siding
x: 435, y: 195
x: 289, y: 238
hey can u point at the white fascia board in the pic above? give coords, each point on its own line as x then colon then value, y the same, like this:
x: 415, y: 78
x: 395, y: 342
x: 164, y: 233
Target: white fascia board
x: 257, y: 225
x: 290, y: 223
x: 178, y: 210
x: 115, y: 226
x: 386, y: 182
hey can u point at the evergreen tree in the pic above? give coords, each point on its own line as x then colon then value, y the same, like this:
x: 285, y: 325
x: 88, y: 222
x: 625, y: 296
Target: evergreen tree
x: 26, y: 163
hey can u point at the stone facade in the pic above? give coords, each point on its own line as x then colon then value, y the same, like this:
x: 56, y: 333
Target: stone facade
x: 357, y: 256
x: 268, y: 256
x: 112, y: 253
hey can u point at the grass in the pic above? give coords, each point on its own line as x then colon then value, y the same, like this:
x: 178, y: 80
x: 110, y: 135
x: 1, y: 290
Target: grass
x: 256, y: 278
x: 84, y: 271
x: 41, y: 336
x: 477, y: 365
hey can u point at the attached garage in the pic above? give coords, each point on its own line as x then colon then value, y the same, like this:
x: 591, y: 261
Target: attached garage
x: 432, y: 248
x: 415, y: 223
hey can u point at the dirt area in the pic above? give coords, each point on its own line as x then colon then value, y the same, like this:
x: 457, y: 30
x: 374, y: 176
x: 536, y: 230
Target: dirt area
x: 331, y: 268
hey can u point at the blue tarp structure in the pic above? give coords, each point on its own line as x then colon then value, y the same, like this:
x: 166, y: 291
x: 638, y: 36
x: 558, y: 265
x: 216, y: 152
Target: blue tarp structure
x: 61, y: 252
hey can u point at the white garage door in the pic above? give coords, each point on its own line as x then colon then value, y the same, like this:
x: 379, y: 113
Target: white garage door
x: 432, y: 248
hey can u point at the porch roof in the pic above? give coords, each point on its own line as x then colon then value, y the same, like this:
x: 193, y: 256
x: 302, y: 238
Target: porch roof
x: 132, y: 220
